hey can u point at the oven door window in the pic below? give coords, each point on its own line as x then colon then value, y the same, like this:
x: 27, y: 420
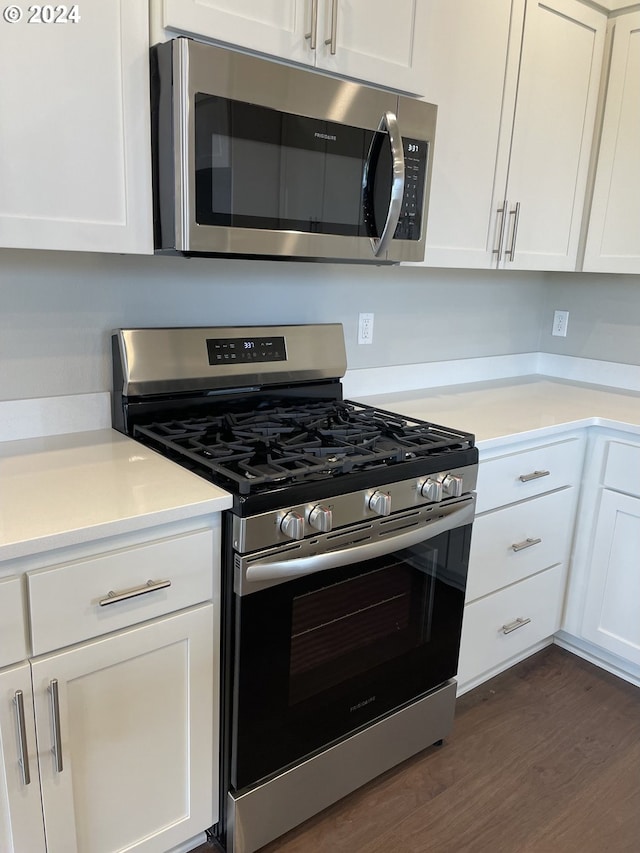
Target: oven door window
x: 264, y: 169
x: 321, y: 656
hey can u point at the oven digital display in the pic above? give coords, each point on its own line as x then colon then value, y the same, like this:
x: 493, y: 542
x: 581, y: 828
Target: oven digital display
x: 246, y: 350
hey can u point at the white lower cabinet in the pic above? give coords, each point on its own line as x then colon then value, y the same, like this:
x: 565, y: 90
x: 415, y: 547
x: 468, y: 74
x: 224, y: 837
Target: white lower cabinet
x: 602, y: 615
x: 21, y: 825
x: 109, y: 732
x: 520, y: 546
x: 134, y: 737
x: 612, y: 607
x: 126, y: 743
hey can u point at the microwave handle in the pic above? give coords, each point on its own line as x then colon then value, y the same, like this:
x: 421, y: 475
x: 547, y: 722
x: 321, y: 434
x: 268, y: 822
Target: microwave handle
x: 389, y: 122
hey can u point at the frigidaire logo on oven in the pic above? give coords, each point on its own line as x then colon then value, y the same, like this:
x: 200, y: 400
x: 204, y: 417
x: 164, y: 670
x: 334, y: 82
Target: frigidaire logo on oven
x: 362, y: 704
x: 328, y: 136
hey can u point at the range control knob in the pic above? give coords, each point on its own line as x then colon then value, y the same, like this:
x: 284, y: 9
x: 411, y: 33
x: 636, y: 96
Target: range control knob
x: 380, y: 502
x: 320, y: 518
x: 452, y: 486
x: 430, y: 489
x: 292, y: 525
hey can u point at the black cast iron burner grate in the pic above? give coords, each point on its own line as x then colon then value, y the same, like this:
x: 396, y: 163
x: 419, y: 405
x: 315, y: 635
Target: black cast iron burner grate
x: 273, y: 442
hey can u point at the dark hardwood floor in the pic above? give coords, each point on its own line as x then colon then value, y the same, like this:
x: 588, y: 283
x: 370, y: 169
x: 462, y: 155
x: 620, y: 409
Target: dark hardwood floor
x: 544, y: 758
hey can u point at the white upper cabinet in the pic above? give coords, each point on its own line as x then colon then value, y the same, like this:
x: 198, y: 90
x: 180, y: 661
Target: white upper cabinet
x: 613, y: 240
x: 75, y: 163
x: 374, y: 41
x: 275, y: 27
x: 560, y: 67
x: 468, y: 51
x: 516, y: 86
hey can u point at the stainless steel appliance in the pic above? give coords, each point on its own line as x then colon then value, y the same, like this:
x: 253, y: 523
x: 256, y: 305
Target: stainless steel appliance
x: 255, y: 158
x: 344, y: 559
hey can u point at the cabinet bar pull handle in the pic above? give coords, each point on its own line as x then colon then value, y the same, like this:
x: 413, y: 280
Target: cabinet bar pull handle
x: 520, y: 546
x: 312, y: 35
x: 334, y: 27
x: 22, y: 738
x: 150, y: 586
x: 503, y: 218
x: 55, y: 716
x: 535, y: 475
x: 511, y: 251
x: 513, y: 626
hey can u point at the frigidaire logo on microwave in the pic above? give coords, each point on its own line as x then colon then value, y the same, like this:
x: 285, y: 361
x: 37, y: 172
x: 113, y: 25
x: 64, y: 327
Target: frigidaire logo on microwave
x: 328, y: 136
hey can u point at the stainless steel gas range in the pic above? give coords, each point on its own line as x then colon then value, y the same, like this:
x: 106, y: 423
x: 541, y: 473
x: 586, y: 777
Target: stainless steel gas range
x: 344, y: 559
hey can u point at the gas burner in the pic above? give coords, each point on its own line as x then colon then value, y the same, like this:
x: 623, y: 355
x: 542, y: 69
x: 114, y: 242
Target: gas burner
x: 267, y: 443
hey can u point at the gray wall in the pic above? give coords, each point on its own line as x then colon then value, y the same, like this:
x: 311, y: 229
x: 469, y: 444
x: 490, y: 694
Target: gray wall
x: 57, y: 310
x: 604, y: 316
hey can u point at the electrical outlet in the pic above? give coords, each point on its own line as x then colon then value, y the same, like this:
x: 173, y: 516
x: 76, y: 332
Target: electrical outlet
x: 560, y: 323
x: 365, y: 328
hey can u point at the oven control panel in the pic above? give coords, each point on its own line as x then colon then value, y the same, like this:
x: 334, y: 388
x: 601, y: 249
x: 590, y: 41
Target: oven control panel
x: 254, y: 350
x: 295, y: 523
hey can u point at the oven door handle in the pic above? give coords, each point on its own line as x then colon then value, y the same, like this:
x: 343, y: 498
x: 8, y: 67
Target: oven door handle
x: 275, y: 570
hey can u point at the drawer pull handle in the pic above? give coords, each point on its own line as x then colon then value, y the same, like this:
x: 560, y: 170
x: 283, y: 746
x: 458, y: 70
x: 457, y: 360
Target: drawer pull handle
x: 55, y: 716
x: 520, y: 546
x: 150, y: 586
x: 535, y: 475
x: 22, y: 738
x: 513, y: 626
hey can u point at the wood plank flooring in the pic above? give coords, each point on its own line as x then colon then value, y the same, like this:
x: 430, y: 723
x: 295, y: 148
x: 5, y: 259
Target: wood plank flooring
x: 544, y: 758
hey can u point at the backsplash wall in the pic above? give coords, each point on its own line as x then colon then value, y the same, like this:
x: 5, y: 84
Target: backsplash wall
x: 57, y: 310
x: 604, y: 316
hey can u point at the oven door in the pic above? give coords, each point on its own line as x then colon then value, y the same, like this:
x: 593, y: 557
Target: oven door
x: 331, y: 641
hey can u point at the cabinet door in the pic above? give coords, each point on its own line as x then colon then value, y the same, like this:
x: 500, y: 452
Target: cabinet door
x: 612, y: 613
x: 74, y: 131
x: 613, y: 240
x: 376, y: 41
x: 137, y: 736
x: 21, y: 827
x: 472, y: 52
x: 275, y: 27
x: 560, y: 65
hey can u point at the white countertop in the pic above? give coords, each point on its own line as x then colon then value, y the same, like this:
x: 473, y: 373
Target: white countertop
x: 66, y: 489
x: 503, y: 410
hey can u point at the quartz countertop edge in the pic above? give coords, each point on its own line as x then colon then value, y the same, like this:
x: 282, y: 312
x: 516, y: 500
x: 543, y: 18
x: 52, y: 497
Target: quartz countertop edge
x: 64, y: 490
x: 506, y: 411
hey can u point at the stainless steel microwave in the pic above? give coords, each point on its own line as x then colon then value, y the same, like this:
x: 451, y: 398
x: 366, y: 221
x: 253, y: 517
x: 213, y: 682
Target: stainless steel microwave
x: 255, y: 158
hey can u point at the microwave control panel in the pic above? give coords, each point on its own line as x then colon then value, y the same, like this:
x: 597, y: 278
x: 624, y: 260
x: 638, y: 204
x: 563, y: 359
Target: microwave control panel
x: 416, y: 152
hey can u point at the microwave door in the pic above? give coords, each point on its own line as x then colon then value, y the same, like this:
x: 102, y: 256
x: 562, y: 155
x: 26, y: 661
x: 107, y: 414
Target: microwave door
x: 383, y: 184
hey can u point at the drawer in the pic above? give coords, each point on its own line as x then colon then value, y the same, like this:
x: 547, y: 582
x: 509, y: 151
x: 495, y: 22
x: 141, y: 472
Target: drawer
x: 70, y: 602
x: 622, y: 467
x: 527, y: 473
x: 13, y: 645
x: 540, y: 530
x: 485, y: 647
